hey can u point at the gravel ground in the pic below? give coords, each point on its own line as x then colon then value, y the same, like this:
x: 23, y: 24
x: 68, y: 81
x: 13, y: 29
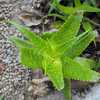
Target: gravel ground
x: 92, y: 94
x: 16, y: 80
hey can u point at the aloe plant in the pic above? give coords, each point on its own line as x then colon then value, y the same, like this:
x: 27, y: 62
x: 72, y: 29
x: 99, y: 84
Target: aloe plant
x: 57, y: 53
x: 78, y: 7
x: 64, y: 11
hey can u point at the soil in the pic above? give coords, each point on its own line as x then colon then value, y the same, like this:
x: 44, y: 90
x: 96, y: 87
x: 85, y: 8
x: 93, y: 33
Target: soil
x: 18, y: 82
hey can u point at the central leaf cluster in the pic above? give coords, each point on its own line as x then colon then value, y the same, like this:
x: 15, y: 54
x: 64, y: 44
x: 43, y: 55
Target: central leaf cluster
x: 57, y: 52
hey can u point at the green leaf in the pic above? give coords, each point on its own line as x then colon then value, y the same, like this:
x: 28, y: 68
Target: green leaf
x: 55, y: 2
x: 93, y: 2
x: 21, y: 43
x: 68, y: 30
x: 56, y: 24
x: 47, y: 35
x: 81, y: 44
x: 66, y: 10
x: 53, y: 68
x: 36, y: 40
x: 87, y: 8
x: 82, y: 8
x: 77, y: 71
x: 31, y: 58
x: 68, y: 44
x: 77, y: 3
x: 87, y: 25
x: 89, y: 63
x: 53, y: 5
x: 71, y: 25
x: 65, y: 36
